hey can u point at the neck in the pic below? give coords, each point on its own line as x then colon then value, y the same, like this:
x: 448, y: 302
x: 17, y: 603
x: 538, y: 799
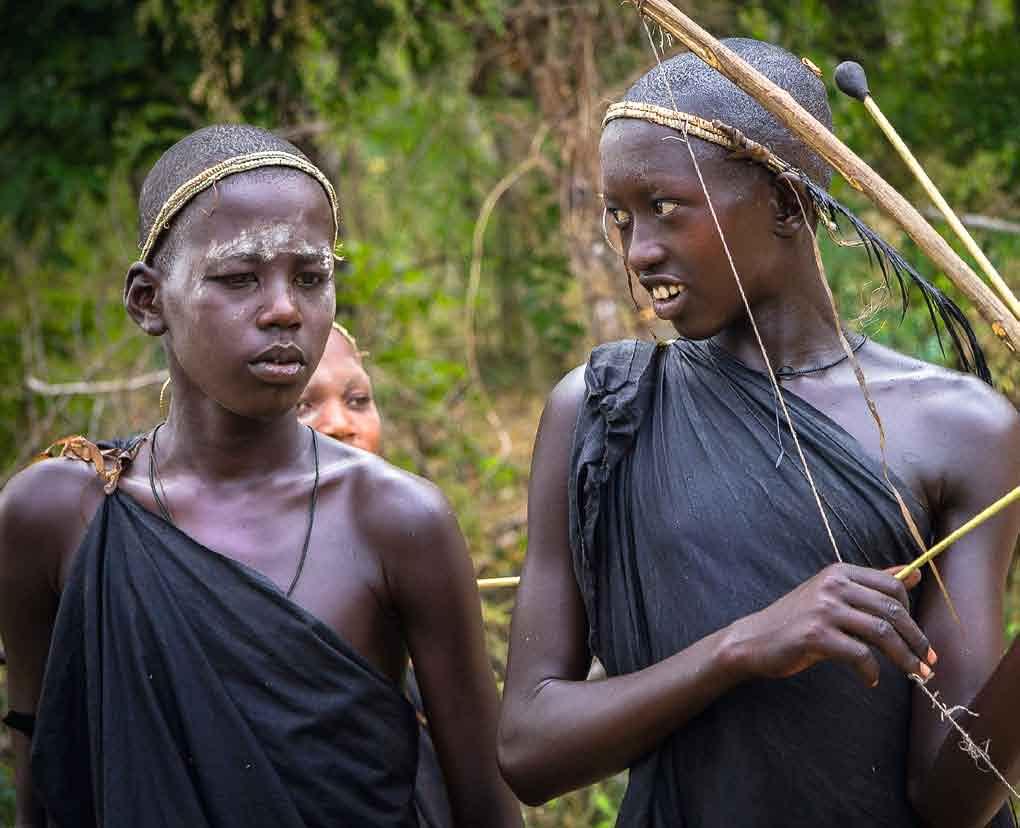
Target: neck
x: 207, y: 440
x: 796, y: 328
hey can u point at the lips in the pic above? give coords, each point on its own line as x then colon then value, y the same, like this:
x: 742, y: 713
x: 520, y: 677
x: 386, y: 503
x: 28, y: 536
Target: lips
x: 281, y: 363
x: 667, y: 292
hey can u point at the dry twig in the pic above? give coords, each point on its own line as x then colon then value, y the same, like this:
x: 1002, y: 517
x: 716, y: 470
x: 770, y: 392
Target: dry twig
x: 533, y: 159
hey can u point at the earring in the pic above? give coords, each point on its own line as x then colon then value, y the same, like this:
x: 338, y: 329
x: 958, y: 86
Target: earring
x: 164, y: 399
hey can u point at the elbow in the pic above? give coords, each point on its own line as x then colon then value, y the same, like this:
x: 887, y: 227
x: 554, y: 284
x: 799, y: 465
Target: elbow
x: 520, y: 765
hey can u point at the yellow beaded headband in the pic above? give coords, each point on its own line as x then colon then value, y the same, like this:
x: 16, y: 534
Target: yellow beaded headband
x: 240, y: 163
x: 715, y: 132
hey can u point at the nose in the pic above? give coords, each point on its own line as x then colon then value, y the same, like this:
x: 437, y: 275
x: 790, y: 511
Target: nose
x: 281, y: 308
x: 645, y: 251
x: 335, y: 421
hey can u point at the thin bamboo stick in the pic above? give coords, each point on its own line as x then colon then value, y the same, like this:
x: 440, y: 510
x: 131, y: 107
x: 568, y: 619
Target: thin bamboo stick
x: 955, y: 535
x: 498, y: 583
x: 852, y: 80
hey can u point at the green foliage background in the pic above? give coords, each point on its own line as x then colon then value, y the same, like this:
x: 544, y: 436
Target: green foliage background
x: 418, y: 108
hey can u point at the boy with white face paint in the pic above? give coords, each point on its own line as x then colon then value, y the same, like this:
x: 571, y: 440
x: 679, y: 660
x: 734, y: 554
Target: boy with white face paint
x: 229, y: 607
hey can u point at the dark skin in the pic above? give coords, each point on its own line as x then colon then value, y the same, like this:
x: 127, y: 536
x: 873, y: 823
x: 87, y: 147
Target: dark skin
x: 338, y: 399
x: 949, y: 439
x: 387, y: 566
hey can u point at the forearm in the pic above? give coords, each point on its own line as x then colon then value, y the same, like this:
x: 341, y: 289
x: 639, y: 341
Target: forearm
x: 28, y: 810
x: 958, y: 791
x: 563, y: 735
x: 493, y: 806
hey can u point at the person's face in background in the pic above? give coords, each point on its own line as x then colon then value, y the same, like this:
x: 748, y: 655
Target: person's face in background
x: 338, y: 399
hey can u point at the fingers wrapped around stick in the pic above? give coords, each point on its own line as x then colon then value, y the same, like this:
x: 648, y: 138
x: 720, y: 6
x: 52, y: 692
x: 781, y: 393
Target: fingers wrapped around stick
x: 844, y: 613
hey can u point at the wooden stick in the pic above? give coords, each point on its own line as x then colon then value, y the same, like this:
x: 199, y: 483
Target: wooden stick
x: 498, y: 583
x: 858, y: 174
x: 65, y: 389
x: 983, y: 516
x: 996, y: 225
x: 852, y: 81
x: 955, y: 535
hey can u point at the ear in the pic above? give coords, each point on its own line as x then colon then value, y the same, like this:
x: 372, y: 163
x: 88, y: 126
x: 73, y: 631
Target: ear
x: 142, y: 298
x: 792, y: 208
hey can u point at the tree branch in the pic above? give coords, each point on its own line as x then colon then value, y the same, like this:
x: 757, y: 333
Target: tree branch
x: 65, y: 389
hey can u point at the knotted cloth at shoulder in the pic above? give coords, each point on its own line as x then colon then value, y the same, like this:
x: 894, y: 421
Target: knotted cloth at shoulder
x: 619, y: 378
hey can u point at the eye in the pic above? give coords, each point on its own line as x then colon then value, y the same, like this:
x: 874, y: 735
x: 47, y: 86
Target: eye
x: 303, y: 407
x: 359, y: 401
x: 310, y: 279
x: 621, y: 218
x: 663, y: 207
x: 236, y: 280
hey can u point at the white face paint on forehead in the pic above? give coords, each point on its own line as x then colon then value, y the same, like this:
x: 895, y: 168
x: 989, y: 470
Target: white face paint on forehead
x: 265, y: 241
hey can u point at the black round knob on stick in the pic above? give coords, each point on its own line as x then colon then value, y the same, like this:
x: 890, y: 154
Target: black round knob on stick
x: 851, y: 80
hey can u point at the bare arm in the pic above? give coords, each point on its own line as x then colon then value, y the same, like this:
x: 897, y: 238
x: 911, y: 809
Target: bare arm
x: 558, y: 732
x: 42, y: 517
x: 433, y: 586
x: 947, y: 787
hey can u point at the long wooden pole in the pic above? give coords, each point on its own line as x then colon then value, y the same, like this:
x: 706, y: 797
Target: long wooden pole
x: 857, y: 173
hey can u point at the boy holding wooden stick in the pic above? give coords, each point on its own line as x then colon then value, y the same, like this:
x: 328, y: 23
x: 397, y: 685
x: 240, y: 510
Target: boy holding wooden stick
x: 718, y: 518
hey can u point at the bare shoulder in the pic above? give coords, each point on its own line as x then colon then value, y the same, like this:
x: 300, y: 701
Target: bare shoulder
x: 942, y: 397
x: 569, y: 392
x: 44, y: 512
x: 395, y: 511
x: 561, y: 408
x: 956, y: 414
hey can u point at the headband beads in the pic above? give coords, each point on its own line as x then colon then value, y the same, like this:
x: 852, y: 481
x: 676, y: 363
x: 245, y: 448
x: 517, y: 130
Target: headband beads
x: 715, y: 132
x: 231, y: 166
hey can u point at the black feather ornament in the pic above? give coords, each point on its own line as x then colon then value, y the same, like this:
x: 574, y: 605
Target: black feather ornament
x: 890, y: 261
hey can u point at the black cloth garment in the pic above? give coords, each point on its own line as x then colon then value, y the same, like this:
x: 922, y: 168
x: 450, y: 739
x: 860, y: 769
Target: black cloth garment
x: 185, y: 689
x: 680, y: 524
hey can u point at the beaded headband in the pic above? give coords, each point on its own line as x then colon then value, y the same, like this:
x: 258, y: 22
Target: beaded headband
x: 240, y: 163
x: 715, y: 132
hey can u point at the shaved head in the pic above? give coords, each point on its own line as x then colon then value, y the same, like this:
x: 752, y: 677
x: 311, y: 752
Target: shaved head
x: 187, y: 158
x: 701, y: 90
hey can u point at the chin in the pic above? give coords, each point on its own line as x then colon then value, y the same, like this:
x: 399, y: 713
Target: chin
x: 265, y: 406
x: 701, y: 326
x: 688, y: 329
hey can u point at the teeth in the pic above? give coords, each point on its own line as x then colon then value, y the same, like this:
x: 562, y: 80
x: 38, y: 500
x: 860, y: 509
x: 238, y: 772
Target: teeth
x: 664, y: 292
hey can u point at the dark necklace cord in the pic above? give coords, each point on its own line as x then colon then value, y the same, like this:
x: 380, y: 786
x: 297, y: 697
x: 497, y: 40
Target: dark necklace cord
x: 311, y: 514
x: 154, y: 475
x: 164, y: 510
x: 788, y: 371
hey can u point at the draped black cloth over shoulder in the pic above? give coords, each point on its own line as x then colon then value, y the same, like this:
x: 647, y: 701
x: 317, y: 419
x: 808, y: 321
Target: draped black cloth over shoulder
x: 185, y: 689
x: 681, y: 523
